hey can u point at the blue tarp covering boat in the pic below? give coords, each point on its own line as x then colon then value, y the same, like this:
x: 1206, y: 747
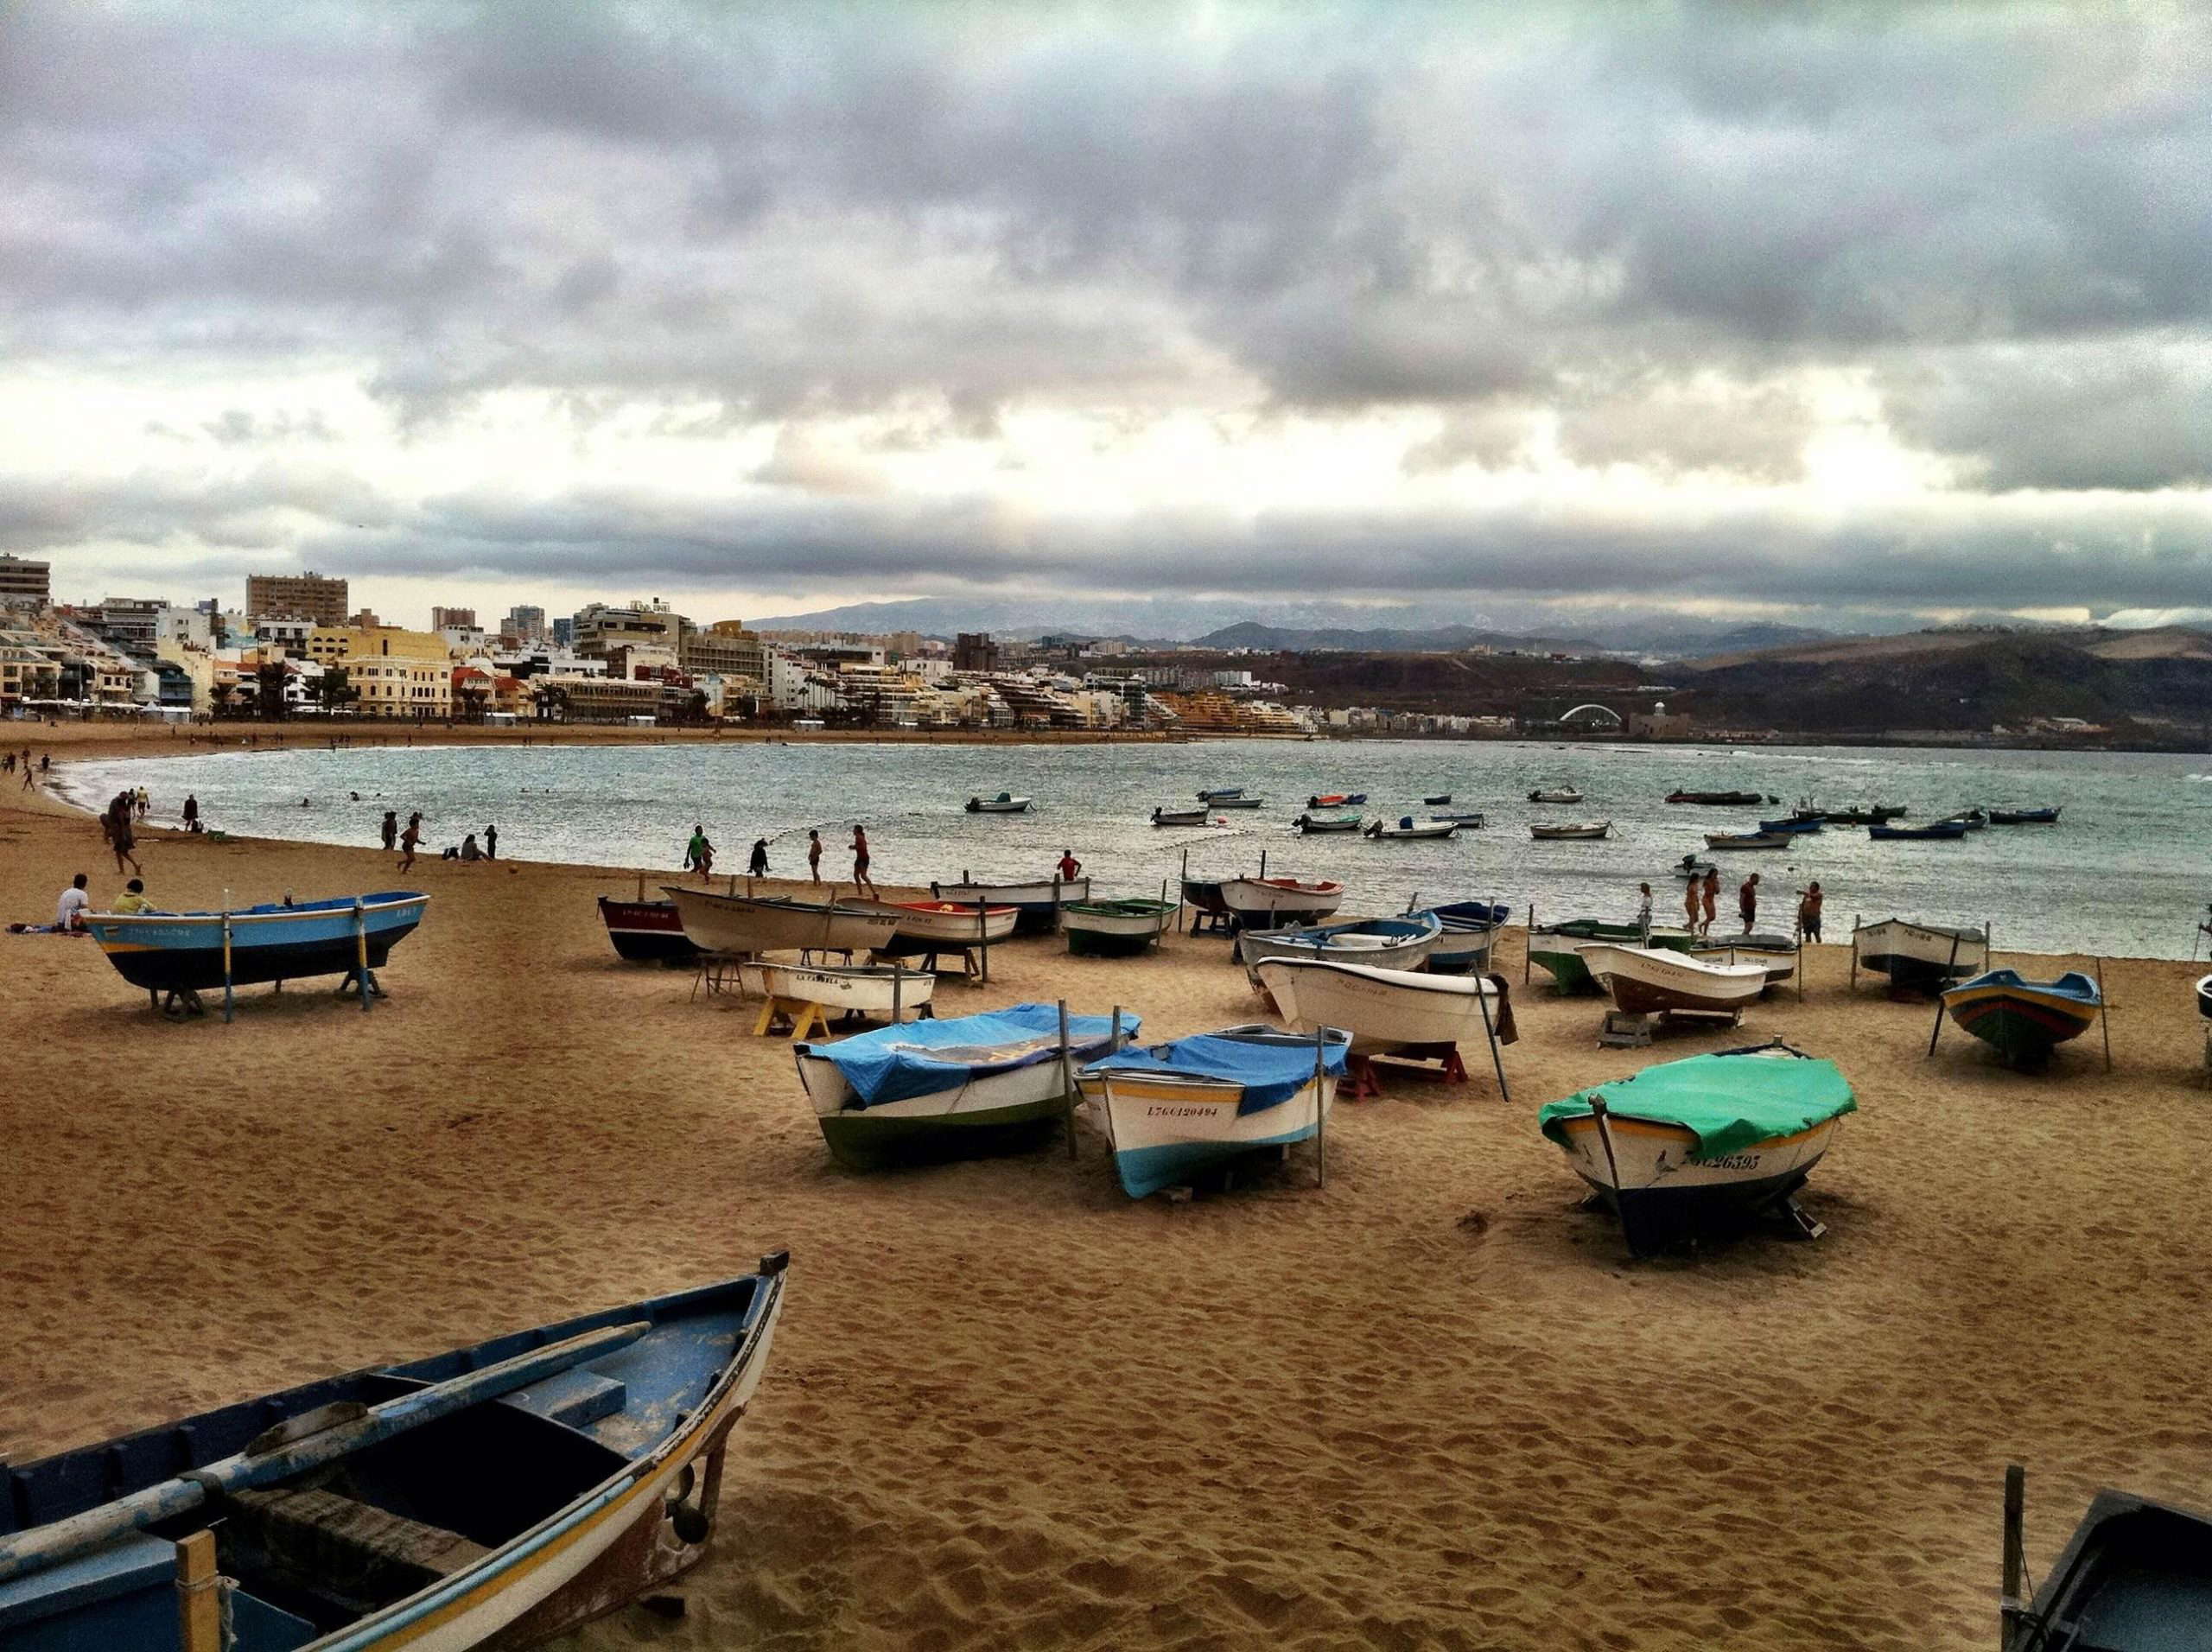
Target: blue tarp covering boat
x: 922, y: 1057
x: 1272, y: 1069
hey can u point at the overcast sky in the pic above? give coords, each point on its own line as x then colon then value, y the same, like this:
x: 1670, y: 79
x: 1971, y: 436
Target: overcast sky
x: 1783, y: 311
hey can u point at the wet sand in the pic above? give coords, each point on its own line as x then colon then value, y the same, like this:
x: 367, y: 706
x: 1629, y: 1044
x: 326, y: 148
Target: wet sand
x: 1431, y: 1405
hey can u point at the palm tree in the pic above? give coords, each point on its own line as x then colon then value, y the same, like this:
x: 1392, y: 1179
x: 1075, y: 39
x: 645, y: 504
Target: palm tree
x: 552, y: 702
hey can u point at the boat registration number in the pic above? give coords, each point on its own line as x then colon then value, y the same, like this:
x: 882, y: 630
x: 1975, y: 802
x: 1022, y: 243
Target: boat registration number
x: 1178, y: 1110
x: 1730, y: 1161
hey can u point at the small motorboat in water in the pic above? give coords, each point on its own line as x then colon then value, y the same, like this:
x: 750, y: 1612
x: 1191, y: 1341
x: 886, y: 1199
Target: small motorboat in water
x: 1938, y: 831
x: 1410, y: 829
x: 1197, y: 817
x: 1004, y: 803
x: 1336, y: 800
x: 1749, y: 840
x: 1312, y: 823
x: 1555, y: 794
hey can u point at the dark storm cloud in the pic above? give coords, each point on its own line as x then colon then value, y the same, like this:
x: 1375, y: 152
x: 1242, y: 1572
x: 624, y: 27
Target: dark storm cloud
x: 1637, y: 225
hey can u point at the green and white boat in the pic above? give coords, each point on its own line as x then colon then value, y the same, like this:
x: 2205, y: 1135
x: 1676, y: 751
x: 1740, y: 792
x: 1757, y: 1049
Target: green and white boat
x: 1552, y: 947
x: 952, y: 1089
x: 1115, y: 929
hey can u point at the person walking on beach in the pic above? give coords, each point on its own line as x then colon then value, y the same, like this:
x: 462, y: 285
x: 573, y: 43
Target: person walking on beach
x: 1710, y: 894
x: 192, y: 815
x: 1069, y: 868
x: 389, y: 827
x: 491, y: 841
x: 144, y: 802
x: 861, y: 879
x: 121, y: 840
x: 1747, y: 901
x: 27, y: 775
x: 409, y: 839
x: 814, y: 857
x: 1808, y: 913
x: 758, y: 866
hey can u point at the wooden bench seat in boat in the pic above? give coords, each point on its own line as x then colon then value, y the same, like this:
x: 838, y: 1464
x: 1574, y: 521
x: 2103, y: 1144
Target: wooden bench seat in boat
x: 353, y: 1550
x: 578, y: 1397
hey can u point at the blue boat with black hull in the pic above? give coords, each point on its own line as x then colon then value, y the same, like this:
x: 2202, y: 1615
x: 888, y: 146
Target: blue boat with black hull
x: 1939, y: 831
x: 186, y: 953
x: 492, y: 1498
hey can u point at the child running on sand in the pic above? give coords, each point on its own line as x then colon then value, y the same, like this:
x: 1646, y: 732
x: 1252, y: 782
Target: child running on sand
x: 409, y: 839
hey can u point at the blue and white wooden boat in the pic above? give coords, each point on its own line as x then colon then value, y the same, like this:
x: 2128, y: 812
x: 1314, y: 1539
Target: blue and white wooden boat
x: 2025, y: 1020
x: 491, y: 1498
x: 1392, y: 943
x: 1470, y: 932
x: 1173, y: 1110
x: 191, y: 952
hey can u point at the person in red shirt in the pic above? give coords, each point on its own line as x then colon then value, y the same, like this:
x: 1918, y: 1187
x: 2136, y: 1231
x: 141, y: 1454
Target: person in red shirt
x: 1069, y: 866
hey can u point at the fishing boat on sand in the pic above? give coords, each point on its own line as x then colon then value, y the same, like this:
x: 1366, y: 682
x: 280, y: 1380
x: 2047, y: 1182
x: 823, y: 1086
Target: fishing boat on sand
x: 646, y: 931
x: 1393, y: 943
x: 1557, y: 831
x: 1920, y: 957
x: 1555, y: 794
x: 187, y: 953
x: 2024, y: 816
x: 1172, y: 1110
x: 494, y: 1496
x: 1271, y: 903
x: 1039, y: 899
x: 1336, y: 800
x: 749, y: 925
x: 882, y: 992
x: 1114, y: 929
x: 1730, y: 841
x: 1776, y: 954
x: 1557, y: 948
x: 1938, y: 831
x: 1470, y: 934
x: 926, y: 925
x: 1313, y: 824
x: 969, y: 1084
x: 1004, y: 803
x: 1725, y: 799
x: 1408, y: 828
x: 1647, y: 981
x: 2025, y: 1020
x: 2136, y: 1576
x: 1688, y: 1147
x: 1384, y: 1010
x: 1197, y: 817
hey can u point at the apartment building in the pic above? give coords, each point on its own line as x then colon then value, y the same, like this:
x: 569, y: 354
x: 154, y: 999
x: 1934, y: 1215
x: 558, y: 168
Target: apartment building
x: 394, y: 685
x: 25, y: 584
x: 305, y: 596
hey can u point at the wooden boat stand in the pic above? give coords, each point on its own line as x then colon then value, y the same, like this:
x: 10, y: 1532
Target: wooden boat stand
x: 1624, y: 1030
x: 975, y: 962
x: 1364, y: 1082
x: 803, y: 1015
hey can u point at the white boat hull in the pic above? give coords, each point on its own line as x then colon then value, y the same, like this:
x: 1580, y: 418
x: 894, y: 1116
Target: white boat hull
x: 740, y: 924
x: 1920, y: 953
x: 1384, y: 1009
x: 1269, y: 904
x: 1385, y: 951
x: 1038, y: 1082
x: 1563, y: 834
x: 949, y: 925
x: 1644, y: 980
x: 1663, y: 1192
x: 844, y: 992
x: 1165, y: 1129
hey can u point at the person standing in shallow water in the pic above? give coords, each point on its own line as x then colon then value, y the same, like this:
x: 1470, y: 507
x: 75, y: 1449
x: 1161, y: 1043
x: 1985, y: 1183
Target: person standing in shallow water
x: 390, y: 828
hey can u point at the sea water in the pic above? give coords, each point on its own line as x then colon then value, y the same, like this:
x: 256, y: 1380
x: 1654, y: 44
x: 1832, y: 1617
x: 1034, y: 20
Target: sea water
x: 2126, y: 871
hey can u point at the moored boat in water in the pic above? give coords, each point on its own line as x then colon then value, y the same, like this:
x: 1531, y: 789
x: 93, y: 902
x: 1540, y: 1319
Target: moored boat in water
x: 1004, y: 803
x: 1313, y: 824
x: 1557, y: 831
x: 2025, y: 1020
x: 1336, y: 800
x: 1555, y: 794
x: 1922, y: 957
x: 1937, y: 831
x: 1693, y: 1147
x: 1645, y: 981
x: 1728, y: 799
x: 1795, y: 824
x: 1731, y: 841
x: 494, y: 1496
x: 1197, y: 817
x: 1172, y: 1110
x: 1408, y: 828
x: 964, y: 1085
x: 1108, y: 929
x: 646, y: 931
x: 2024, y: 816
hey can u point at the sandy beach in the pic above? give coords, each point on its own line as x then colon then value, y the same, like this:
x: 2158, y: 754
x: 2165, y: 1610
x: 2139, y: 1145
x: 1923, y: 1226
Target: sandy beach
x: 1431, y: 1405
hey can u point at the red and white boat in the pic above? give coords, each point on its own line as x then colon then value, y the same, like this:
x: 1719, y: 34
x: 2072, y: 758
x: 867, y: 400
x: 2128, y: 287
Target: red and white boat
x: 646, y: 931
x: 924, y: 923
x: 1648, y: 979
x: 1275, y: 903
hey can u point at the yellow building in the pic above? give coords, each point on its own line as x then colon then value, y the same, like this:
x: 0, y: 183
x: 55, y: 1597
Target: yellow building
x: 329, y: 644
x: 395, y: 685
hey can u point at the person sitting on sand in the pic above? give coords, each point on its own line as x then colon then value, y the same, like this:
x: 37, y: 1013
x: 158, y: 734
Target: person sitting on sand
x: 758, y: 866
x: 133, y: 899
x: 469, y: 851
x: 69, y: 910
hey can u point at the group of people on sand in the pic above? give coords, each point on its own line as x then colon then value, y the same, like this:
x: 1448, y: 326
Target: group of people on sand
x: 10, y: 761
x: 409, y: 838
x: 1702, y: 898
x: 699, y: 857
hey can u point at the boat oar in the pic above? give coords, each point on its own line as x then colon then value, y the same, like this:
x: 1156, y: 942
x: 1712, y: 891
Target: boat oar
x: 1936, y: 1030
x: 2104, y: 1013
x: 304, y: 1442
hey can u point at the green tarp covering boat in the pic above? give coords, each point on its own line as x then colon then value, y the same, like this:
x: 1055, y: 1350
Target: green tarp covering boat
x: 1727, y: 1102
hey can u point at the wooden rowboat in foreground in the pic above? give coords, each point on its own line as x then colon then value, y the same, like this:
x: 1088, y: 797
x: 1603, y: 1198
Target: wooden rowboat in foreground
x: 492, y: 1497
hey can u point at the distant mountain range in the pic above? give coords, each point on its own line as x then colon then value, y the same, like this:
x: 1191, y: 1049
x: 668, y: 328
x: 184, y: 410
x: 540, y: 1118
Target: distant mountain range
x: 1305, y: 626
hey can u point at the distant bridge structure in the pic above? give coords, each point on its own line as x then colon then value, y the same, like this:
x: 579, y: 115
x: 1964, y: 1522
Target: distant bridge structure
x: 1593, y: 716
